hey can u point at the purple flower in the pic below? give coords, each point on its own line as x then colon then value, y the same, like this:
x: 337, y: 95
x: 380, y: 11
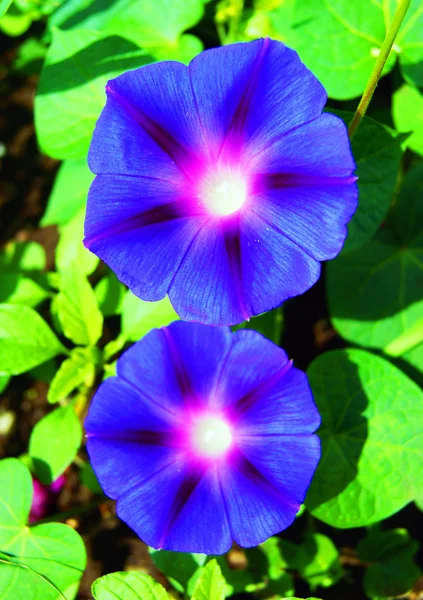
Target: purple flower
x: 204, y: 437
x: 221, y: 183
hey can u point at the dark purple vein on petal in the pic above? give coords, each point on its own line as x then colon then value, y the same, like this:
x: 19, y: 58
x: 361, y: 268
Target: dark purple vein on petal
x: 143, y: 437
x: 255, y: 476
x: 274, y: 181
x: 154, y: 216
x: 249, y: 399
x: 241, y: 112
x: 182, y: 496
x: 174, y: 149
x: 231, y: 234
x: 184, y: 382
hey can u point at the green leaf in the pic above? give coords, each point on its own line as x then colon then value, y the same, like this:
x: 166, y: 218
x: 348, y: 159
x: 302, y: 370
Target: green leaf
x: 30, y: 57
x: 371, y: 439
x: 42, y: 562
x: 4, y: 5
x: 377, y: 152
x: 14, y: 22
x: 128, y: 586
x: 139, y: 317
x: 392, y: 571
x: 374, y: 292
x: 211, y: 584
x: 75, y: 371
x: 178, y: 567
x: 153, y: 24
x: 89, y: 479
x: 77, y: 309
x: 20, y: 279
x: 269, y: 324
x: 4, y: 382
x: 318, y: 561
x: 414, y: 357
x: 407, y: 112
x: 279, y: 555
x: 15, y: 288
x: 25, y: 339
x: 409, y: 42
x: 339, y: 41
x: 23, y: 257
x: 71, y: 92
x: 54, y: 442
x: 69, y: 193
x: 110, y: 293
x: 70, y: 249
x: 271, y: 19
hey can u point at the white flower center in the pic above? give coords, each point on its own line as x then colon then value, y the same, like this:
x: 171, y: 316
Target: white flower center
x: 211, y: 436
x: 224, y: 193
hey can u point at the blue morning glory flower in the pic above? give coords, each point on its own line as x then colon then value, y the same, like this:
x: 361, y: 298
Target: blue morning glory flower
x: 204, y: 437
x: 221, y: 184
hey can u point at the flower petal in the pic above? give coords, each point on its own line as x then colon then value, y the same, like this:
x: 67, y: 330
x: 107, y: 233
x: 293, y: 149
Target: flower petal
x: 286, y: 462
x: 218, y: 89
x: 206, y: 287
x: 256, y: 508
x: 274, y: 267
x: 312, y: 216
x: 252, y: 362
x: 140, y: 228
x: 162, y: 510
x: 246, y: 95
x: 202, y: 524
x: 199, y: 352
x: 122, y: 465
x: 150, y: 123
x: 146, y: 505
x: 320, y: 148
x: 132, y: 409
x: 157, y: 379
x: 285, y: 407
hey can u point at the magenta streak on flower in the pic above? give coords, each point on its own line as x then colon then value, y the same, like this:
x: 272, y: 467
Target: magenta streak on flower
x: 222, y: 183
x: 204, y: 437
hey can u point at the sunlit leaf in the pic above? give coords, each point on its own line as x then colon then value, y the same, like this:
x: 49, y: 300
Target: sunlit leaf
x: 339, y: 41
x: 77, y: 309
x: 156, y: 25
x: 42, y: 562
x: 372, y: 440
x: 407, y: 112
x: 211, y: 584
x: 374, y: 292
x: 139, y: 317
x: 128, y: 586
x: 54, y: 442
x: 76, y: 370
x: 25, y: 339
x: 69, y: 193
x: 70, y: 249
x: 71, y: 93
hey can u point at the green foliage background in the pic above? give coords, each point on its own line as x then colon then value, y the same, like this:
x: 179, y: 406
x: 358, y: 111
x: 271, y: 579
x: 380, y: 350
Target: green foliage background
x: 58, y: 321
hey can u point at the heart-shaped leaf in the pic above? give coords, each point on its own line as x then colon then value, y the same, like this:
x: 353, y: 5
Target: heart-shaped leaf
x: 372, y: 439
x: 41, y: 562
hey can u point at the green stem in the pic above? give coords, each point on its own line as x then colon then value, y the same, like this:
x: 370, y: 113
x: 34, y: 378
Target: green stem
x: 379, y: 64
